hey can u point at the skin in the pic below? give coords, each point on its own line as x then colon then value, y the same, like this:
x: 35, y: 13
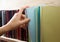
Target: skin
x: 18, y: 20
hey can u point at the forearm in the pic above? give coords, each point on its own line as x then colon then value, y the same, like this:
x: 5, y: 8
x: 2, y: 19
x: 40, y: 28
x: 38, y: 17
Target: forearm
x: 4, y: 29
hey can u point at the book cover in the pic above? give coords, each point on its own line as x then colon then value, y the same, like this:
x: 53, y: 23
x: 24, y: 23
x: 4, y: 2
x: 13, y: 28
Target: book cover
x: 51, y: 23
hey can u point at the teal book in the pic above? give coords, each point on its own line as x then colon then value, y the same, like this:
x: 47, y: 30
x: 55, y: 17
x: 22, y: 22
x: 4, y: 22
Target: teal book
x: 34, y: 25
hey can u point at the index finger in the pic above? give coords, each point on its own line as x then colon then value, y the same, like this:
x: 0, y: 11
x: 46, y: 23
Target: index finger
x: 21, y: 9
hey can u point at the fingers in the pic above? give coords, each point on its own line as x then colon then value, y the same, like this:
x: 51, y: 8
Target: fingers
x: 23, y: 16
x: 21, y: 10
x: 23, y: 26
x: 24, y: 21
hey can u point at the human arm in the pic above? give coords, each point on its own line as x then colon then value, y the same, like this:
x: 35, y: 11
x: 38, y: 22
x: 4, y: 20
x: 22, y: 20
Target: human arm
x: 15, y: 21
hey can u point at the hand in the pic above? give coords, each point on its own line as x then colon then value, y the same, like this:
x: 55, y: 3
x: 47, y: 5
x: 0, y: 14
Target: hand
x: 18, y: 20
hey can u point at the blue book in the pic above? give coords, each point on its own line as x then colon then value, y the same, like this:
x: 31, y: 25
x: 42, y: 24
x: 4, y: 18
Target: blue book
x: 34, y: 25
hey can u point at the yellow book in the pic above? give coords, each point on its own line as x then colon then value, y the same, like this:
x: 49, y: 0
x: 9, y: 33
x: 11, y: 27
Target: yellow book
x: 50, y: 23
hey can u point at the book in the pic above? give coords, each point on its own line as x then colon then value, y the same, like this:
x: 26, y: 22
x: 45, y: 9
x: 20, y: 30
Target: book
x: 34, y: 25
x: 50, y: 23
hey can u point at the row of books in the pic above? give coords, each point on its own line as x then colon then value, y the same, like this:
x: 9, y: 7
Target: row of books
x: 30, y: 34
x: 44, y: 25
x: 19, y: 33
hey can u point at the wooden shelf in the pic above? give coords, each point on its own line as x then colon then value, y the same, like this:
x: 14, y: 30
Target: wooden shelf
x: 10, y: 39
